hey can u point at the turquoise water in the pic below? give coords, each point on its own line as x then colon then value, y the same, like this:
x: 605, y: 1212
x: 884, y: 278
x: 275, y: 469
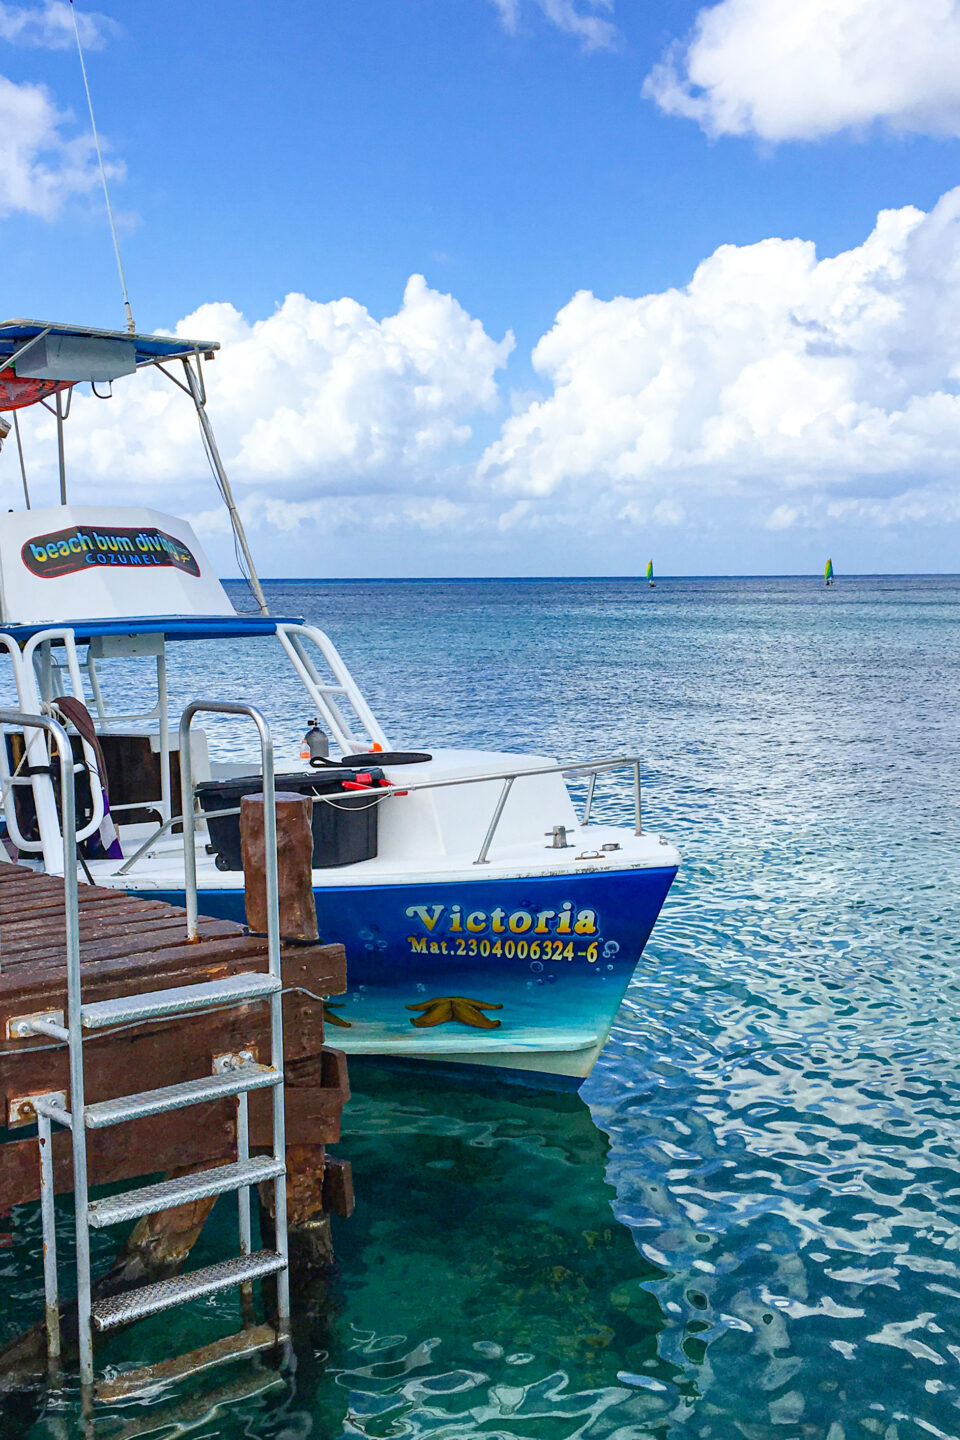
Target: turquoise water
x: 748, y: 1224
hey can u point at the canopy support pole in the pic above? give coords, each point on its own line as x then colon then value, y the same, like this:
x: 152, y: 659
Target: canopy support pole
x: 198, y: 396
x: 60, y: 457
x: 23, y: 468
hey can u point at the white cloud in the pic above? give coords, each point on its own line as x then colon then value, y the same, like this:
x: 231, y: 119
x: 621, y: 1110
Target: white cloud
x: 50, y: 26
x: 772, y: 373
x: 784, y: 517
x: 579, y: 18
x: 40, y: 163
x: 318, y: 400
x: 777, y: 392
x: 800, y: 69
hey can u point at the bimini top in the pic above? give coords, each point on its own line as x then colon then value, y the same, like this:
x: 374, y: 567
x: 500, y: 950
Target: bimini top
x: 40, y: 357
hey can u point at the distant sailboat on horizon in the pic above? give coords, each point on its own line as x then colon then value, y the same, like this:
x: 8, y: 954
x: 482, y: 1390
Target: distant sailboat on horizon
x: 650, y: 579
x: 828, y: 573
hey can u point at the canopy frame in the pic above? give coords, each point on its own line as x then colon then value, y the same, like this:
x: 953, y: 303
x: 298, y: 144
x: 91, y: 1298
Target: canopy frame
x: 149, y: 350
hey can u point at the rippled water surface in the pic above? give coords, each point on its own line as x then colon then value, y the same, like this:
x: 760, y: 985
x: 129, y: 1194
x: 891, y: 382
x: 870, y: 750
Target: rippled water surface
x: 749, y: 1222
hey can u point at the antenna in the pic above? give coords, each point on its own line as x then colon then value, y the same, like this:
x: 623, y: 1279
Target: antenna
x: 103, y: 174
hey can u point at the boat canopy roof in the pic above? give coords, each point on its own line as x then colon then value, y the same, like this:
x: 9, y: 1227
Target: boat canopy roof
x: 145, y: 349
x: 171, y: 627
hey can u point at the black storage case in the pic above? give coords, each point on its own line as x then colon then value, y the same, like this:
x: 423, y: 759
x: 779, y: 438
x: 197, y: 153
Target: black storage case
x: 343, y: 832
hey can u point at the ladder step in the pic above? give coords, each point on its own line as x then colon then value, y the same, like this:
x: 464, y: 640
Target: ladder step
x: 176, y: 1097
x: 147, y: 1379
x: 151, y: 1198
x: 180, y: 1000
x: 151, y: 1299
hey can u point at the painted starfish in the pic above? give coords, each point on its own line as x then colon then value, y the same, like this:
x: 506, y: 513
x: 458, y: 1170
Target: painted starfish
x: 332, y: 1019
x: 445, y: 1008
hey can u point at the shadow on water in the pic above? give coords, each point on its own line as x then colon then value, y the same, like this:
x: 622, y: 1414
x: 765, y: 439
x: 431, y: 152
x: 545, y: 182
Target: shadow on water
x: 482, y: 1286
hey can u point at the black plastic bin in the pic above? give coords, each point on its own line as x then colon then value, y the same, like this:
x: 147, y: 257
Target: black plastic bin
x: 343, y: 832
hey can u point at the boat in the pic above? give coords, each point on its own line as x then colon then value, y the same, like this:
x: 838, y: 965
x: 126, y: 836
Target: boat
x: 487, y: 920
x: 650, y: 579
x: 828, y: 573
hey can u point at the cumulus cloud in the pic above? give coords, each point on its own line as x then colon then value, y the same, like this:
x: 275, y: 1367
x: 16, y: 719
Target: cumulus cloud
x: 778, y: 390
x: 319, y: 399
x: 801, y: 69
x: 584, y: 20
x: 50, y: 26
x: 772, y: 372
x: 41, y: 164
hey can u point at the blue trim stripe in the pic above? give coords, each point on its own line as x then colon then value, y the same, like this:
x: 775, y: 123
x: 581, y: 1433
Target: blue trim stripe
x: 173, y: 627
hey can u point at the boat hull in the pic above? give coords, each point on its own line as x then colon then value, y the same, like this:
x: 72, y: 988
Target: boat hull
x: 525, y: 974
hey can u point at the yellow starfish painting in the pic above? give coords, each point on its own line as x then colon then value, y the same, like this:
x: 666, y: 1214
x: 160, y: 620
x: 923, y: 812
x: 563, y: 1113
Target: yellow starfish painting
x: 445, y: 1008
x: 332, y: 1019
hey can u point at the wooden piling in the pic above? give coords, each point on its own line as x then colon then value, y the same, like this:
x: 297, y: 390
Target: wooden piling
x: 298, y: 910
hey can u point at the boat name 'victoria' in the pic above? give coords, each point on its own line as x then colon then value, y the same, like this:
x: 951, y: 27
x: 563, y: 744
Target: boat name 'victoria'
x: 567, y: 920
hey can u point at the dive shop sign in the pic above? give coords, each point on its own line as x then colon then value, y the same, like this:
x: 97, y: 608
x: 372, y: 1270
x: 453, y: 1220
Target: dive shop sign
x: 65, y: 552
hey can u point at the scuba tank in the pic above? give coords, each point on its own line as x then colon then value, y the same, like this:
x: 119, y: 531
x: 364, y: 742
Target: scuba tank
x: 316, y: 744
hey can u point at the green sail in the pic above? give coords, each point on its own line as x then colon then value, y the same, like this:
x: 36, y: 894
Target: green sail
x: 649, y: 569
x: 828, y: 570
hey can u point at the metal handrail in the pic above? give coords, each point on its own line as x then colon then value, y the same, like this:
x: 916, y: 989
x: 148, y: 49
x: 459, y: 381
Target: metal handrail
x: 590, y: 768
x: 68, y: 638
x: 323, y: 694
x: 68, y: 831
x: 162, y: 829
x: 231, y: 707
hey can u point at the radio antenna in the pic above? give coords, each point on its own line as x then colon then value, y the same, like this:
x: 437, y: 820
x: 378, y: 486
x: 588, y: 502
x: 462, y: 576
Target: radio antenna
x: 103, y: 174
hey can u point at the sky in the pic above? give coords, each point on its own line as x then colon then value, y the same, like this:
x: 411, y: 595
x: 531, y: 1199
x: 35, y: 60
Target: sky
x: 508, y: 287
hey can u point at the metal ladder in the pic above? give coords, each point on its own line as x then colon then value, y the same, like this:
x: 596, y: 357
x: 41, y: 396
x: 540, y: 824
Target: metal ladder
x: 82, y: 1019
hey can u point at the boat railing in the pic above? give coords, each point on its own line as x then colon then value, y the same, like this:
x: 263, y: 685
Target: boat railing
x: 588, y: 769
x: 328, y: 698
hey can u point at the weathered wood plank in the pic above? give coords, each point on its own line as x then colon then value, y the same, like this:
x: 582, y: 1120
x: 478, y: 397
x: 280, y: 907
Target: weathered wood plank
x: 226, y: 956
x: 320, y: 968
x: 103, y: 939
x: 164, y: 1052
x: 143, y: 1147
x: 315, y: 1097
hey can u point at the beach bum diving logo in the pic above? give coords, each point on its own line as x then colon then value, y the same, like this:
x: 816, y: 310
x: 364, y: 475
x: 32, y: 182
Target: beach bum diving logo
x: 64, y: 552
x: 567, y: 933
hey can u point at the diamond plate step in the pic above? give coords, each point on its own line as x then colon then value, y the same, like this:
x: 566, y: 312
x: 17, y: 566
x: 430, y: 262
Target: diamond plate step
x: 180, y: 1000
x: 148, y: 1379
x: 151, y: 1299
x: 175, y: 1097
x: 151, y: 1198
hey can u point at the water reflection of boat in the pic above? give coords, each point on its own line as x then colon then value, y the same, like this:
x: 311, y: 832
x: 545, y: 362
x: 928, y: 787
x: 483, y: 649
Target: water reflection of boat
x: 483, y: 1273
x: 495, y: 1234
x: 485, y: 920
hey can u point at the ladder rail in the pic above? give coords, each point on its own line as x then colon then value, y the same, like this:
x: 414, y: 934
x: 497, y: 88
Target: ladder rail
x: 188, y: 813
x: 64, y: 750
x: 292, y: 638
x: 244, y: 1076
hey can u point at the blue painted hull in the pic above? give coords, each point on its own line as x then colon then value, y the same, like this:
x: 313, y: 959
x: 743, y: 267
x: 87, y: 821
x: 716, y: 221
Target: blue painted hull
x: 518, y: 973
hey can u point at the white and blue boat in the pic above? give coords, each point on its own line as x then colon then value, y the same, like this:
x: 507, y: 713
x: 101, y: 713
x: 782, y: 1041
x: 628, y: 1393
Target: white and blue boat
x: 486, y: 922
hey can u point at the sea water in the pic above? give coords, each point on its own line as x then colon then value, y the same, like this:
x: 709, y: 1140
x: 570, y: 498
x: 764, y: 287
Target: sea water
x: 748, y: 1223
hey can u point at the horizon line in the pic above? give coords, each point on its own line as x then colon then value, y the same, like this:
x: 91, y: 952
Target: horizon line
x: 816, y: 576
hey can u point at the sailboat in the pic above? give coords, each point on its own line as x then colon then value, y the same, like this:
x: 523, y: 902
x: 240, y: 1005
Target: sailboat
x: 650, y: 579
x: 828, y: 573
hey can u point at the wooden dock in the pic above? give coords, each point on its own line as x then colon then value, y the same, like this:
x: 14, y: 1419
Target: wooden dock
x: 129, y: 944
